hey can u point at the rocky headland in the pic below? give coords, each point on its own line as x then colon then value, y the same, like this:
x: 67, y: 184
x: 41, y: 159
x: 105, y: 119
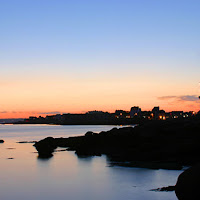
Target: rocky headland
x: 155, y: 144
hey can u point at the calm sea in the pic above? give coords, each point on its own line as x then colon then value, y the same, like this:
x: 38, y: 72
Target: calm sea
x: 65, y: 176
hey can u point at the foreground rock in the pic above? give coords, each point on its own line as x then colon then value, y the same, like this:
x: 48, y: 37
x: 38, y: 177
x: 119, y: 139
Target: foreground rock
x: 45, y: 147
x: 188, y: 184
x: 167, y: 144
x: 1, y: 141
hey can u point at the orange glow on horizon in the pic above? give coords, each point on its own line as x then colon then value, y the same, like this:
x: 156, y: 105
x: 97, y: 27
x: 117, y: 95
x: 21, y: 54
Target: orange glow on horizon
x: 31, y: 97
x: 27, y: 114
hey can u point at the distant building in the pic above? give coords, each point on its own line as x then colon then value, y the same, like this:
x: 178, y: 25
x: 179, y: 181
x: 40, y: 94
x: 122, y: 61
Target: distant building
x: 135, y: 111
x: 96, y: 112
x: 122, y: 114
x: 162, y: 115
x: 146, y: 114
x: 155, y: 112
x: 178, y: 114
x: 32, y: 118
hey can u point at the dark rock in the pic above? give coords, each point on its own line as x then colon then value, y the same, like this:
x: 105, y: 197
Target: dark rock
x: 188, y: 184
x: 89, y: 133
x: 45, y: 147
x: 165, y: 189
x: 44, y: 159
x: 1, y: 141
x: 155, y: 144
x: 22, y: 142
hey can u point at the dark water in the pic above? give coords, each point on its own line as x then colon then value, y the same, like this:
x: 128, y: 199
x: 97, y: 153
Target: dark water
x: 65, y: 176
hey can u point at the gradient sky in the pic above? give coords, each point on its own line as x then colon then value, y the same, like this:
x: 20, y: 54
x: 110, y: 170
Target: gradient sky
x: 79, y: 55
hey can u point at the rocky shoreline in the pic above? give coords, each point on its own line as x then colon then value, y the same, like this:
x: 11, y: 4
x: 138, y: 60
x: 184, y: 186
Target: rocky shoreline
x: 157, y: 144
x: 154, y: 145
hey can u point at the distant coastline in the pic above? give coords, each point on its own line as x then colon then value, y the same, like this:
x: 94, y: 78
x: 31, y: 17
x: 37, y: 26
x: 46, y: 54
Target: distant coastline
x: 11, y: 120
x: 119, y: 117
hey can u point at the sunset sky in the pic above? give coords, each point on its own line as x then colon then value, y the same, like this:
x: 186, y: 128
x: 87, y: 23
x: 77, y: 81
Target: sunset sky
x: 72, y: 56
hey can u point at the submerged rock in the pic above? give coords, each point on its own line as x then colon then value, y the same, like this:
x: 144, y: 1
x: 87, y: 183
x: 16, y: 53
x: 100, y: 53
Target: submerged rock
x: 23, y: 142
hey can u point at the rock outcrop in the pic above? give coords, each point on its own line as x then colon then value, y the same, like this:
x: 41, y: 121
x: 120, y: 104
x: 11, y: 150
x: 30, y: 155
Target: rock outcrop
x: 159, y: 142
x: 45, y: 147
x: 188, y: 184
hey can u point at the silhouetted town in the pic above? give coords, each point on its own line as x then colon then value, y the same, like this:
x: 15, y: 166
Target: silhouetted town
x: 119, y: 117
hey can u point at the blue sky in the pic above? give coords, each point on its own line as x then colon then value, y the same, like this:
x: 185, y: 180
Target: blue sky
x: 100, y: 41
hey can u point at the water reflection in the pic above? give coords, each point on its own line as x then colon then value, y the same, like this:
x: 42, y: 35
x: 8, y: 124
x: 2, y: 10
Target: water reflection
x: 67, y: 176
x: 85, y: 158
x: 44, y: 159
